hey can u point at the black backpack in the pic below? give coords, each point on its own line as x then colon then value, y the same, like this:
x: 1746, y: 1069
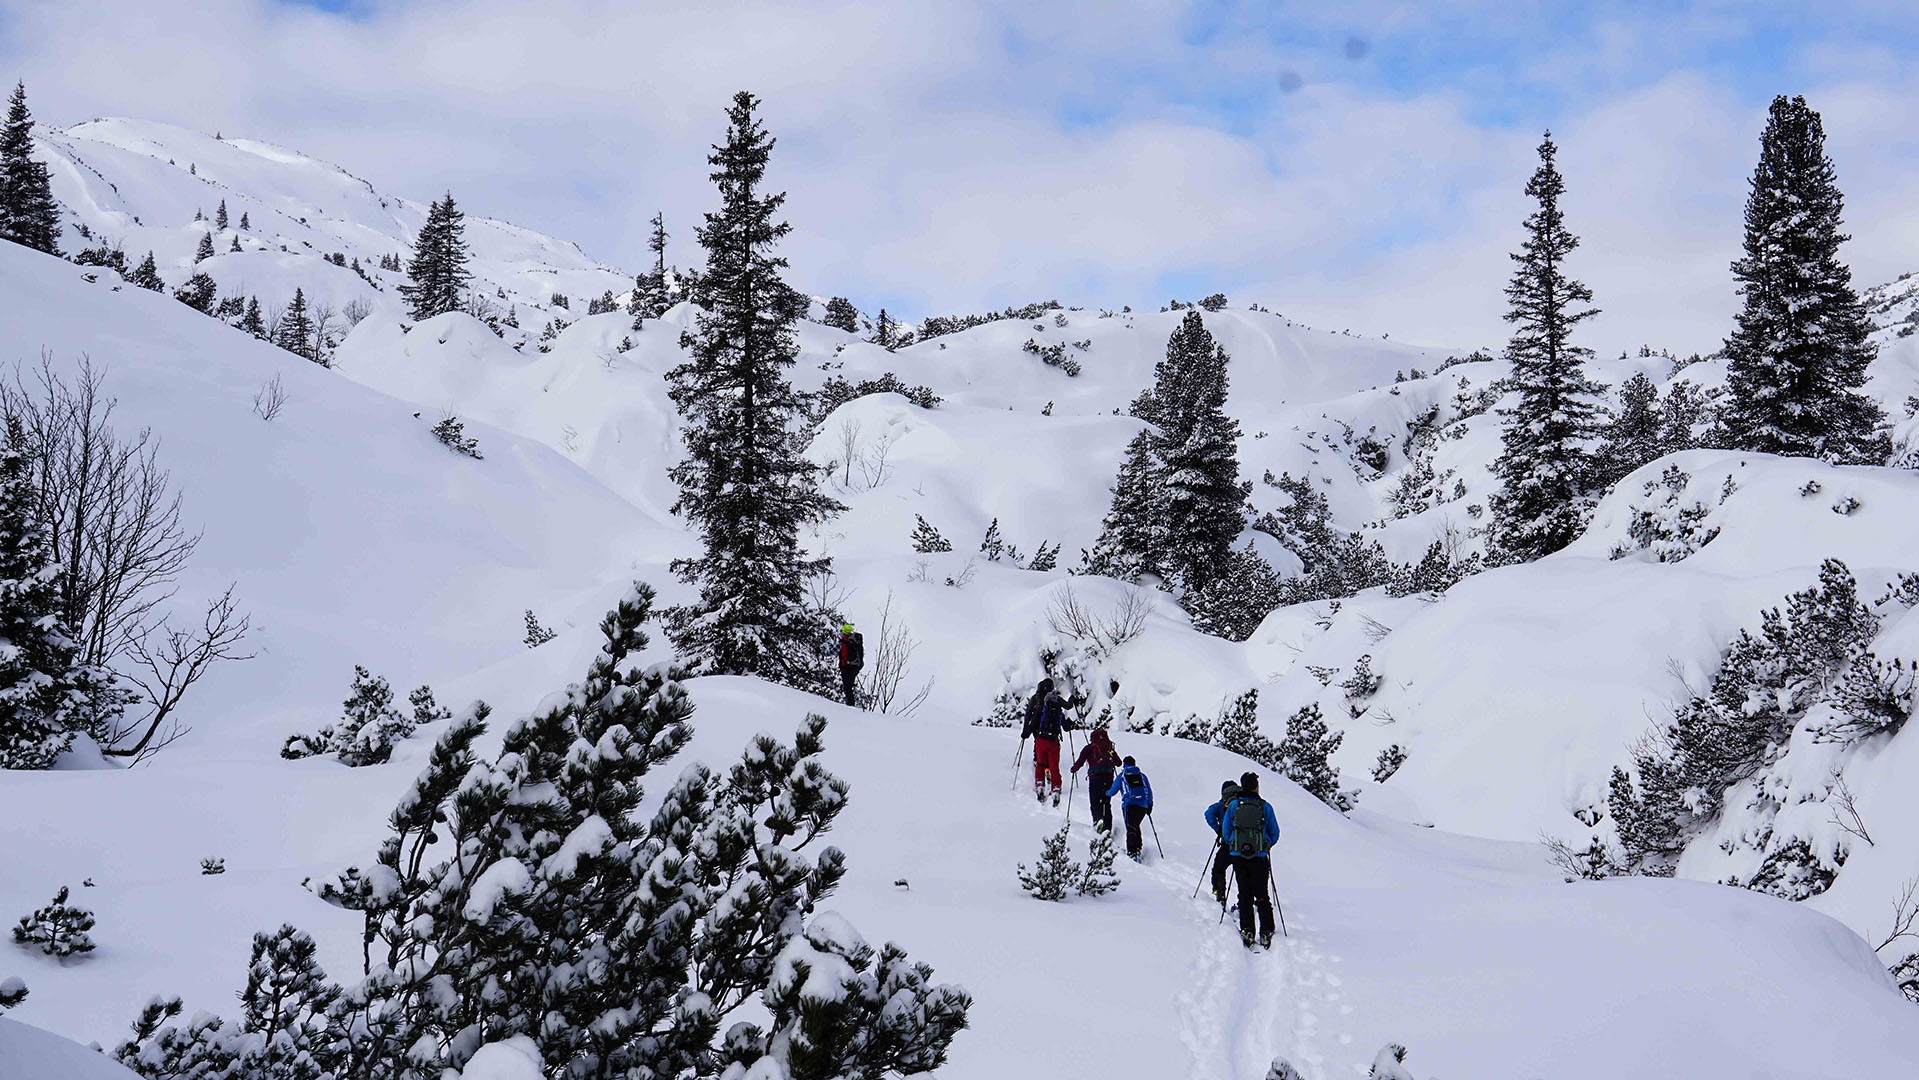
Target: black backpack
x: 855, y: 650
x: 1246, y: 828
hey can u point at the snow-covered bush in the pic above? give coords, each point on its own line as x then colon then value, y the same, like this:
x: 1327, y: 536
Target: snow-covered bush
x: 369, y: 726
x: 1390, y: 759
x: 1055, y: 873
x: 1765, y: 684
x: 615, y: 942
x: 452, y: 434
x: 1390, y: 1064
x: 213, y: 865
x: 1233, y: 604
x: 1669, y: 528
x: 1305, y: 758
x: 838, y: 391
x: 1594, y: 863
x: 926, y: 539
x: 59, y: 929
x: 536, y: 635
x: 1362, y: 683
x: 12, y: 992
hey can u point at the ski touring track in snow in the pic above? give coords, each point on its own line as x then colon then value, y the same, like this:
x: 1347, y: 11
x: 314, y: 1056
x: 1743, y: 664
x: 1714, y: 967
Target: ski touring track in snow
x: 1238, y: 1009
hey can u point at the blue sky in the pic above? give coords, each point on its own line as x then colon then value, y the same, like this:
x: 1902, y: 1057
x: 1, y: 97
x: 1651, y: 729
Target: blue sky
x: 1355, y: 165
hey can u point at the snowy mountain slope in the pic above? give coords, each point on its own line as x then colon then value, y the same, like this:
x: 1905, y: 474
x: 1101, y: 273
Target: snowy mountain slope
x: 137, y: 185
x: 348, y: 531
x: 27, y: 1051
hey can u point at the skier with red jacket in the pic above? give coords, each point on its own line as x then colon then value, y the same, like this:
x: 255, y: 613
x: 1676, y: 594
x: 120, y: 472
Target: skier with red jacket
x: 852, y: 659
x: 1101, y: 761
x: 1045, y: 719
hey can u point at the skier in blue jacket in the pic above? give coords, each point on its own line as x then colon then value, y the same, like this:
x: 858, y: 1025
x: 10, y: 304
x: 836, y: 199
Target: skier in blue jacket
x: 1136, y: 800
x: 1248, y: 832
x: 1215, y: 820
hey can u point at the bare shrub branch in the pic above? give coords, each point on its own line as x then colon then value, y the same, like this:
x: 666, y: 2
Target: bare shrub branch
x: 269, y: 399
x: 1845, y: 811
x: 885, y: 688
x: 167, y: 662
x: 1905, y: 915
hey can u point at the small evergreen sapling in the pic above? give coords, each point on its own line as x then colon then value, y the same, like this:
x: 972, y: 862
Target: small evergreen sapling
x: 59, y: 929
x: 993, y: 546
x: 842, y: 315
x: 926, y: 539
x: 1099, y: 877
x: 1390, y: 1064
x: 1362, y: 684
x: 536, y: 635
x: 1390, y: 759
x: 199, y: 293
x: 452, y: 435
x: 1283, y: 1070
x: 212, y: 866
x: 205, y: 250
x: 147, y: 275
x: 1055, y: 873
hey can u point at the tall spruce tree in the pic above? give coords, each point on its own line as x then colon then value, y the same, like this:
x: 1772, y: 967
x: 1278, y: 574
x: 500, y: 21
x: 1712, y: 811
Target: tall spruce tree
x: 147, y: 275
x: 744, y: 483
x: 295, y: 331
x: 1546, y: 469
x: 656, y: 243
x: 28, y: 213
x: 1798, y: 357
x: 220, y: 216
x: 1130, y: 537
x: 205, y: 250
x: 38, y: 676
x: 437, y: 276
x: 1197, y: 447
x: 1178, y: 502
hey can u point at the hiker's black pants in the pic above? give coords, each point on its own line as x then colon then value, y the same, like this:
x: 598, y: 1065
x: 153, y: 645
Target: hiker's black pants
x: 1134, y: 842
x: 848, y: 677
x: 1252, y: 877
x: 1222, y: 862
x: 1097, y: 787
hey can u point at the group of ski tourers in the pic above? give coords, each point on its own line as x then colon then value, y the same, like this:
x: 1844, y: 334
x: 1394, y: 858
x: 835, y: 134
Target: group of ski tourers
x: 1243, y: 824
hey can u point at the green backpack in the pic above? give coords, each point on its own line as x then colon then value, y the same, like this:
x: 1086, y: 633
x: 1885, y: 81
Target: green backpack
x: 1246, y: 828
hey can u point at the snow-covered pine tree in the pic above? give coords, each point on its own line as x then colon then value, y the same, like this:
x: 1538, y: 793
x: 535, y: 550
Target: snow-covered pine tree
x: 842, y: 315
x: 744, y: 484
x: 1197, y: 458
x: 1055, y: 873
x: 369, y: 725
x: 437, y: 275
x: 253, y: 322
x: 926, y: 539
x: 235, y: 247
x: 1797, y: 359
x: 993, y: 546
x: 451, y: 432
x: 621, y: 943
x: 147, y: 275
x: 1237, y: 730
x: 1044, y: 559
x: 39, y: 676
x: 1099, y: 877
x: 1390, y: 1064
x: 1546, y: 470
x: 205, y: 249
x: 536, y: 635
x: 244, y: 223
x: 1234, y: 603
x: 295, y: 332
x: 883, y: 331
x: 59, y: 929
x: 220, y: 217
x: 656, y: 243
x: 1637, y: 433
x: 29, y: 216
x: 1283, y: 1070
x: 650, y: 299
x: 1131, y: 535
x: 285, y: 1006
x: 1388, y: 763
x: 199, y: 293
x: 1305, y: 756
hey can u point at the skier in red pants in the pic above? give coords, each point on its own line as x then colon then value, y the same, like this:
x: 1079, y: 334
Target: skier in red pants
x: 1045, y: 719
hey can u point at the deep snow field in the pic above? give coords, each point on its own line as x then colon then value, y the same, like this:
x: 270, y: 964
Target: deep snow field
x: 1430, y: 916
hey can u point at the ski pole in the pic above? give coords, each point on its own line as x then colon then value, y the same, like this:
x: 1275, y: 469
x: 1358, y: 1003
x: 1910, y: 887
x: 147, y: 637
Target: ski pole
x: 1274, y: 883
x: 1016, y: 761
x: 1149, y: 821
x: 1205, y: 868
x: 1071, y: 787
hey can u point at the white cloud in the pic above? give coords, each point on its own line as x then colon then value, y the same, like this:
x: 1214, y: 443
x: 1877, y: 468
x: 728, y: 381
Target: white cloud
x: 947, y: 156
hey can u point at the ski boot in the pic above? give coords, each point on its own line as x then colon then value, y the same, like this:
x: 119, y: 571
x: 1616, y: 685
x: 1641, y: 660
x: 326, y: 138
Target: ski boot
x: 1266, y: 940
x: 1246, y: 939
